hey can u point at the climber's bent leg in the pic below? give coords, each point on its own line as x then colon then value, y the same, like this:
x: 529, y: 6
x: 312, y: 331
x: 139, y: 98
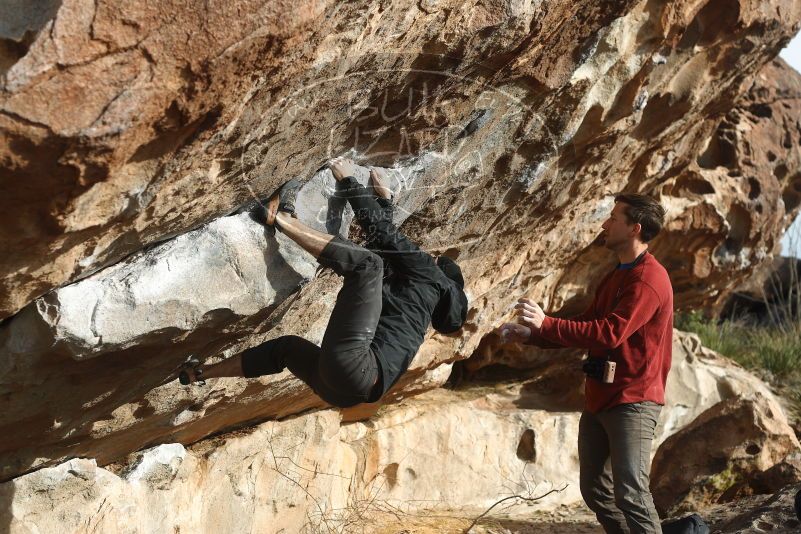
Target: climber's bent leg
x: 348, y: 365
x: 269, y: 358
x: 303, y: 359
x: 383, y: 237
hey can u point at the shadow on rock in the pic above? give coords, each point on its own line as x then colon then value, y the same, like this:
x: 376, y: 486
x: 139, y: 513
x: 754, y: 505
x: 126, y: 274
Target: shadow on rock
x: 55, y: 408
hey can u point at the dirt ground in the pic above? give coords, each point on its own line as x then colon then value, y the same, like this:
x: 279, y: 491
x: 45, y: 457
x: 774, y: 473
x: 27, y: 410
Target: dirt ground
x: 573, y: 520
x: 760, y: 513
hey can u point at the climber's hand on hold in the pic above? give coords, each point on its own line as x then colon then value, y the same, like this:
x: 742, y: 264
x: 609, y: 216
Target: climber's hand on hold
x: 342, y: 168
x: 514, y: 333
x: 529, y: 314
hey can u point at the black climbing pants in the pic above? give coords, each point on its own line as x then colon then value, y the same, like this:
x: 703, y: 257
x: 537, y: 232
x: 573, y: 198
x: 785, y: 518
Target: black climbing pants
x: 374, y: 215
x: 344, y: 370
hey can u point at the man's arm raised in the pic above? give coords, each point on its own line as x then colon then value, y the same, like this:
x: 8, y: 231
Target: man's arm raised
x: 637, y: 306
x: 521, y: 332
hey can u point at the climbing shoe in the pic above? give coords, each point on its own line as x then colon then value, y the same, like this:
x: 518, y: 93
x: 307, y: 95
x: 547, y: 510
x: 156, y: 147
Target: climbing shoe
x: 282, y: 200
x: 191, y: 373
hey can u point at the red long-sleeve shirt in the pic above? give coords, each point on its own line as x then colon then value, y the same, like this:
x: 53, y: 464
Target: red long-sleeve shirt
x: 631, y: 321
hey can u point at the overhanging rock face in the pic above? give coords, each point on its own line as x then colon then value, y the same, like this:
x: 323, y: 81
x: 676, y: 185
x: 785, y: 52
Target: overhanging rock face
x: 125, y: 130
x: 132, y: 132
x: 231, y: 268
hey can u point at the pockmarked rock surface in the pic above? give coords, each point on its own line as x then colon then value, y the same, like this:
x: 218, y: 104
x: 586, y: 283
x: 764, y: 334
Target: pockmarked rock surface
x: 141, y: 126
x: 735, y: 441
x: 130, y: 133
x: 713, y: 246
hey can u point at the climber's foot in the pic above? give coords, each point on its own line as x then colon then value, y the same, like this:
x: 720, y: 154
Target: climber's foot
x: 191, y: 373
x: 282, y: 200
x: 342, y: 167
x: 380, y: 183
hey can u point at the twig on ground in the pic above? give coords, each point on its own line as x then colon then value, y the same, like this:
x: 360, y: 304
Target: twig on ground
x: 527, y: 499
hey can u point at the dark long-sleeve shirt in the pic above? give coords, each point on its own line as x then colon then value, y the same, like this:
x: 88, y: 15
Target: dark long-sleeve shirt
x: 405, y: 316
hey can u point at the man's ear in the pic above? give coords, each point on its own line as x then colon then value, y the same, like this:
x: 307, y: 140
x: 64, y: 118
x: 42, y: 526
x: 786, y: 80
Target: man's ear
x: 636, y: 229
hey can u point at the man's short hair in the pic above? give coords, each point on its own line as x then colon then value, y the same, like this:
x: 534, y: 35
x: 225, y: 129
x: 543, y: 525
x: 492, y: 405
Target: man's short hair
x: 645, y: 211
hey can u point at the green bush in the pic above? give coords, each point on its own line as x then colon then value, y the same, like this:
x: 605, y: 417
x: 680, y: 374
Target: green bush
x: 777, y: 350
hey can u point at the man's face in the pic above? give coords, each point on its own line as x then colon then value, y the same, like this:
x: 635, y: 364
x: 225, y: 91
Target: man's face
x: 616, y: 229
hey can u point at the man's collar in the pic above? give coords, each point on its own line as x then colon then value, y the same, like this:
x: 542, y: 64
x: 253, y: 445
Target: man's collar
x: 634, y: 263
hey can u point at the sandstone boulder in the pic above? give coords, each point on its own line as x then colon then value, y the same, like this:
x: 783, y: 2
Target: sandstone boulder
x: 439, y: 452
x: 121, y: 117
x: 736, y: 440
x: 700, y: 379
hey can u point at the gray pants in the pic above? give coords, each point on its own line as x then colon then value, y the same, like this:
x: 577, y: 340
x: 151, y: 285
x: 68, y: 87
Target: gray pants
x: 615, y: 458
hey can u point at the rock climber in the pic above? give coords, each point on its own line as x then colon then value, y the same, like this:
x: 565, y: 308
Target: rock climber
x: 392, y: 291
x: 628, y: 331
